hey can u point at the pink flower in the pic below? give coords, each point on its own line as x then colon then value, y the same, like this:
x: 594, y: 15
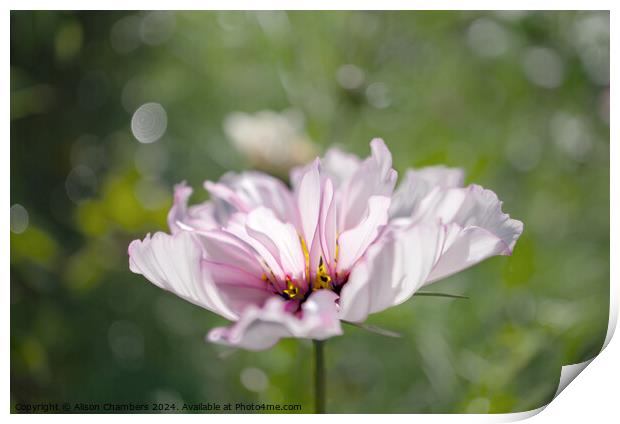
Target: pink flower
x: 342, y: 244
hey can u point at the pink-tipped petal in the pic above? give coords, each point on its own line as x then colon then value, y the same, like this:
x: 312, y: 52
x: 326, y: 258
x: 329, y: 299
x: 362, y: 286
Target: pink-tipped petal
x: 261, y: 328
x: 173, y: 263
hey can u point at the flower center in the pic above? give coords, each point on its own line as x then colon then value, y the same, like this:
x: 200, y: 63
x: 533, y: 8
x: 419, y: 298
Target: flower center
x: 293, y: 290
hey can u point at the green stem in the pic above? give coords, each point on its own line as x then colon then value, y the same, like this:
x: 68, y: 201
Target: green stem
x: 319, y: 376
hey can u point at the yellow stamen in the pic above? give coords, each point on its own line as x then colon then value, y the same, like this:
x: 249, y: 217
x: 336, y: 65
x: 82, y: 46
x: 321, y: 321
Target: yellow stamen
x: 306, y: 256
x: 292, y: 291
x: 323, y: 279
x: 337, y: 249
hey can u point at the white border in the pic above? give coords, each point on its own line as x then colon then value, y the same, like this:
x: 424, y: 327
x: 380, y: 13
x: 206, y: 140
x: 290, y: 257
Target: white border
x: 315, y: 5
x: 593, y: 398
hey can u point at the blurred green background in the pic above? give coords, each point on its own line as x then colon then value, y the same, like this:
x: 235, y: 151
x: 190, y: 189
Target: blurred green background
x: 519, y: 100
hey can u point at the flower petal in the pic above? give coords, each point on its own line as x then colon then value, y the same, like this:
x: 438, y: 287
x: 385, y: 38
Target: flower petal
x: 328, y: 230
x: 308, y: 195
x: 478, y: 228
x: 223, y: 247
x: 173, y: 263
x: 418, y: 183
x: 374, y: 177
x: 237, y: 225
x: 195, y: 218
x: 280, y: 239
x: 236, y: 270
x: 248, y: 190
x: 338, y: 165
x: 391, y: 271
x: 354, y: 242
x: 239, y: 298
x: 261, y: 328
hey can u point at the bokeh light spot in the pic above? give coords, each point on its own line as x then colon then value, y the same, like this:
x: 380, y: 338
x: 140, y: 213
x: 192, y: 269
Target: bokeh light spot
x: 124, y: 35
x: 254, y: 379
x: 571, y: 134
x: 68, y: 41
x: 543, y: 67
x: 157, y: 27
x: 149, y: 122
x: 486, y: 38
x: 378, y: 95
x: 350, y: 76
x: 19, y: 218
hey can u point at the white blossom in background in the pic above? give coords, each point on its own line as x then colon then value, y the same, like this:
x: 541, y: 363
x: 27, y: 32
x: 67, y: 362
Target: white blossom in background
x: 269, y: 139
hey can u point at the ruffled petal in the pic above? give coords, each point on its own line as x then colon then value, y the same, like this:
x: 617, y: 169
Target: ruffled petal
x: 337, y: 165
x: 418, y: 183
x: 173, y: 263
x: 195, y: 218
x: 374, y: 177
x: 478, y: 229
x: 249, y: 190
x: 261, y: 328
x: 391, y: 271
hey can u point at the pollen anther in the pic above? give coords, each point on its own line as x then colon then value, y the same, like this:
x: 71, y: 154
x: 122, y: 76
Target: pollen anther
x: 292, y: 291
x: 323, y: 279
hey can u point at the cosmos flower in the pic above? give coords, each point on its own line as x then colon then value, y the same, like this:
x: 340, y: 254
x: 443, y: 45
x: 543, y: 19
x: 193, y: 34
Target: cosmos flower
x: 343, y: 243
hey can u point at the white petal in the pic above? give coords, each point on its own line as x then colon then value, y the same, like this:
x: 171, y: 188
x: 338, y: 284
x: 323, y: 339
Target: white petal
x: 173, y: 263
x: 391, y: 271
x: 280, y: 239
x: 478, y: 228
x: 354, y: 242
x: 268, y: 254
x: 308, y: 196
x: 249, y: 190
x: 328, y: 230
x: 226, y: 252
x: 337, y: 165
x: 374, y: 177
x: 418, y: 183
x: 261, y: 328
x: 195, y: 218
